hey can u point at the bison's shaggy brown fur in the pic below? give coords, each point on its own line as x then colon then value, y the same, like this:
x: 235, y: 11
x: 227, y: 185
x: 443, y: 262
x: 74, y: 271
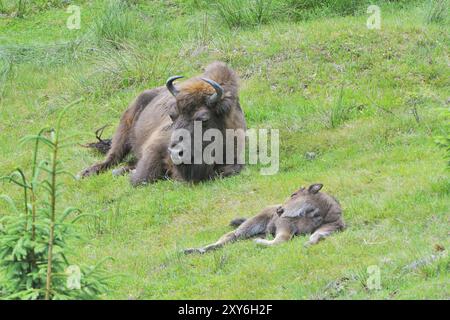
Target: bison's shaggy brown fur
x: 146, y: 127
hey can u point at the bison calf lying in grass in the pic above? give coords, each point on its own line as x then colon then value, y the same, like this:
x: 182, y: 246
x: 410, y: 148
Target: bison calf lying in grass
x: 307, y: 211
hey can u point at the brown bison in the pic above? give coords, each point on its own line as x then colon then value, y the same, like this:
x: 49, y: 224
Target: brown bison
x: 307, y: 211
x: 147, y: 129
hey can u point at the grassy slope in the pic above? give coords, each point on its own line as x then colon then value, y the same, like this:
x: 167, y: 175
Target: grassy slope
x: 374, y: 156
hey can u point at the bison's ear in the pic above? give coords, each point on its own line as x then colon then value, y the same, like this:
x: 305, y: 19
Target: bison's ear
x: 314, y: 188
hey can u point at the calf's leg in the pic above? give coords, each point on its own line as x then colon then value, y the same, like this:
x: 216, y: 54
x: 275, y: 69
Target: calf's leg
x: 323, y: 232
x: 250, y: 228
x: 280, y: 237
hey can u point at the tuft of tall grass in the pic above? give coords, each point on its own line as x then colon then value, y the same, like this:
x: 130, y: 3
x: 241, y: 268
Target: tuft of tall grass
x: 436, y: 11
x: 5, y: 69
x: 244, y: 13
x: 107, y: 222
x: 116, y: 24
x: 114, y: 70
x: 20, y: 8
x: 307, y: 9
x: 339, y: 112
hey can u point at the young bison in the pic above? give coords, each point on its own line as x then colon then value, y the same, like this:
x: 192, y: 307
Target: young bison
x: 306, y: 211
x: 147, y: 126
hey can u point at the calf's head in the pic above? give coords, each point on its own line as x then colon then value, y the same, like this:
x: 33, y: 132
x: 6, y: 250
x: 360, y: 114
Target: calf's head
x: 304, y: 203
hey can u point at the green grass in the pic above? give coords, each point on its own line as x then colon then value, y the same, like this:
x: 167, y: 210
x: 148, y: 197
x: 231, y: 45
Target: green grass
x: 368, y: 103
x: 436, y: 11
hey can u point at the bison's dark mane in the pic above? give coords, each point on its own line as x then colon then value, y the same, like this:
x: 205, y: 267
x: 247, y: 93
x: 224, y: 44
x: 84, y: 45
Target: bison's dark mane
x: 192, y: 89
x: 194, y: 172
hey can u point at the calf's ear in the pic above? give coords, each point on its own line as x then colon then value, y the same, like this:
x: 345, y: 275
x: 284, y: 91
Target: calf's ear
x: 280, y: 210
x: 314, y: 188
x: 303, y: 211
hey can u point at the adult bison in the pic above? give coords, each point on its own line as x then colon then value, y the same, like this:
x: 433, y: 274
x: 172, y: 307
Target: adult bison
x: 147, y: 129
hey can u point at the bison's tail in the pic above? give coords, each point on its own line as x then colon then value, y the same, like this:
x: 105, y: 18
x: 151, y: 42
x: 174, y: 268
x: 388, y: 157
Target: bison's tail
x: 237, y: 222
x: 102, y: 145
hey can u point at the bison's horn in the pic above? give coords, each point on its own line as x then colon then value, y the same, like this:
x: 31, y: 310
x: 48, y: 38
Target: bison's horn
x: 219, y: 91
x: 171, y: 87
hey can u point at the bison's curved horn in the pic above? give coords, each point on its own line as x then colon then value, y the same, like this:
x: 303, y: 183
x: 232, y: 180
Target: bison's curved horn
x: 219, y: 91
x: 171, y: 87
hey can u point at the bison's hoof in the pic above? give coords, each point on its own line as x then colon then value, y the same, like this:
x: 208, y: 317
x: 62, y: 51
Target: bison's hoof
x: 94, y: 170
x: 119, y: 172
x: 137, y: 181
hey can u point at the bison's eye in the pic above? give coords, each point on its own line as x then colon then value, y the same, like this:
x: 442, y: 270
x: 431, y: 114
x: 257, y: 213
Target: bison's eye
x: 173, y: 116
x: 202, y: 115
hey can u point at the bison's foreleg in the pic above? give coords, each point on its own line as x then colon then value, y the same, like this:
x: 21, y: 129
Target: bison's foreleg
x: 119, y: 149
x: 150, y: 167
x: 120, y: 145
